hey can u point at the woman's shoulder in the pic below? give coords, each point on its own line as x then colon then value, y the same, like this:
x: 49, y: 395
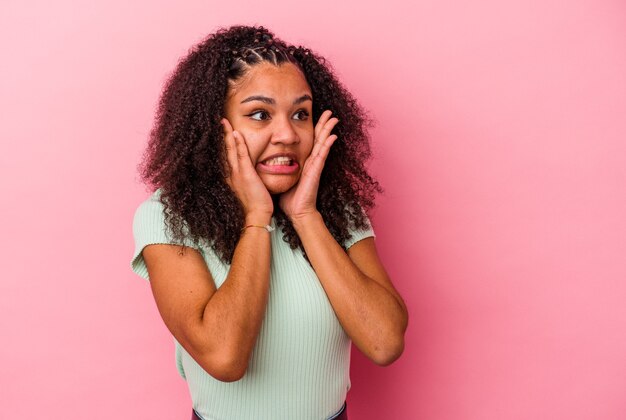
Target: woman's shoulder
x: 150, y: 206
x: 152, y: 218
x: 358, y: 231
x: 150, y: 227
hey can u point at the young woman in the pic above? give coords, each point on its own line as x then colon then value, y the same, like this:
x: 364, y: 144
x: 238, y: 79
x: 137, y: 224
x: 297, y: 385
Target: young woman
x: 256, y: 241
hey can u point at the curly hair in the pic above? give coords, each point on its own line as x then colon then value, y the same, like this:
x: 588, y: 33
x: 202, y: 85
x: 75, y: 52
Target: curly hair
x: 185, y: 153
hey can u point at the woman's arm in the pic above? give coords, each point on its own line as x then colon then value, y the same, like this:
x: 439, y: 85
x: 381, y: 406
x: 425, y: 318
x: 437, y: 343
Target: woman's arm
x: 219, y: 327
x: 368, y: 307
x: 365, y: 302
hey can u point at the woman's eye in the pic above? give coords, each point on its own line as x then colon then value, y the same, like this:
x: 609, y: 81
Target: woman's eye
x: 259, y: 115
x: 301, y: 115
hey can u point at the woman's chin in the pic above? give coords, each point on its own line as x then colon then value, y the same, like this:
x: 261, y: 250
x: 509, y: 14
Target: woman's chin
x: 279, y: 184
x: 278, y: 189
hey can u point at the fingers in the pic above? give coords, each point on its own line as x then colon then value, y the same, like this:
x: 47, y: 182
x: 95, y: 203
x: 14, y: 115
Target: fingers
x: 323, y: 129
x: 236, y: 147
x: 242, y: 148
x: 231, y: 146
x: 315, y: 163
x: 237, y: 154
x: 323, y: 121
x: 323, y: 150
x: 320, y: 123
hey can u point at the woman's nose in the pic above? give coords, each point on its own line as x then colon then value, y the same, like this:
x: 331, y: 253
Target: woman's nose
x: 284, y: 132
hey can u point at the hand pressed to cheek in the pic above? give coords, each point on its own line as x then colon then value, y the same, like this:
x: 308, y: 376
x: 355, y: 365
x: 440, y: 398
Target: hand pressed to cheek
x: 242, y: 177
x: 301, y: 199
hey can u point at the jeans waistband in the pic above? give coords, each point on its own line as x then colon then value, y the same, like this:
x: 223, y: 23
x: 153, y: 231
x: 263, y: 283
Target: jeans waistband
x: 340, y: 415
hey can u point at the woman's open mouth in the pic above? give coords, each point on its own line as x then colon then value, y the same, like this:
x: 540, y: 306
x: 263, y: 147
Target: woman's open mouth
x: 279, y: 164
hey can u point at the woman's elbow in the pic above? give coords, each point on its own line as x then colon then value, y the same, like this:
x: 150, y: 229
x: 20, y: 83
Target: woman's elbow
x: 225, y: 368
x: 386, y: 355
x: 390, y: 348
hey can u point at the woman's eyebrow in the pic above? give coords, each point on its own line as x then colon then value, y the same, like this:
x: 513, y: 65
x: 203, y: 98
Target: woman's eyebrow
x: 261, y: 98
x: 271, y: 101
x: 303, y: 98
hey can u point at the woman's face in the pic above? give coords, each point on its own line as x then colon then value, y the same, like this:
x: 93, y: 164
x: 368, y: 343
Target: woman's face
x: 271, y: 106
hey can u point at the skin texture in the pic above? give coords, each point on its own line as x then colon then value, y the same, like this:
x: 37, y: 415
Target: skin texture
x: 219, y: 327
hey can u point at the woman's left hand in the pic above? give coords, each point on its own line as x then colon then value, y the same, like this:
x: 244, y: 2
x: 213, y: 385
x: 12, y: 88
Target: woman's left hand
x: 299, y: 201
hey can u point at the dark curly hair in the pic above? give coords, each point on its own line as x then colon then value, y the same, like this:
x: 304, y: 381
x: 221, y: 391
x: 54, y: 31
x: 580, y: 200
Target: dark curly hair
x: 185, y: 154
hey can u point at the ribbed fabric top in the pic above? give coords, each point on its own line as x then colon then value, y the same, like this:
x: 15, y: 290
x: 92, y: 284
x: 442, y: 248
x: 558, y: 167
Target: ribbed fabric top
x: 300, y: 365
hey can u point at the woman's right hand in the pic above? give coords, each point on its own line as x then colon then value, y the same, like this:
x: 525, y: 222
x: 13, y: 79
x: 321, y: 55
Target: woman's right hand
x: 244, y: 180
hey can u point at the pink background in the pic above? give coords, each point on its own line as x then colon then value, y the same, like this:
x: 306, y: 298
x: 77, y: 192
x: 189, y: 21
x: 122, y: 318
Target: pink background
x: 501, y: 144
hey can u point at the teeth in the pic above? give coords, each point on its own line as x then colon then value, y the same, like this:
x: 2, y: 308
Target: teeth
x: 281, y: 160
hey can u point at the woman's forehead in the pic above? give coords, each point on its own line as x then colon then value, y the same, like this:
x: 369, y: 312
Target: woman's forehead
x: 265, y: 79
